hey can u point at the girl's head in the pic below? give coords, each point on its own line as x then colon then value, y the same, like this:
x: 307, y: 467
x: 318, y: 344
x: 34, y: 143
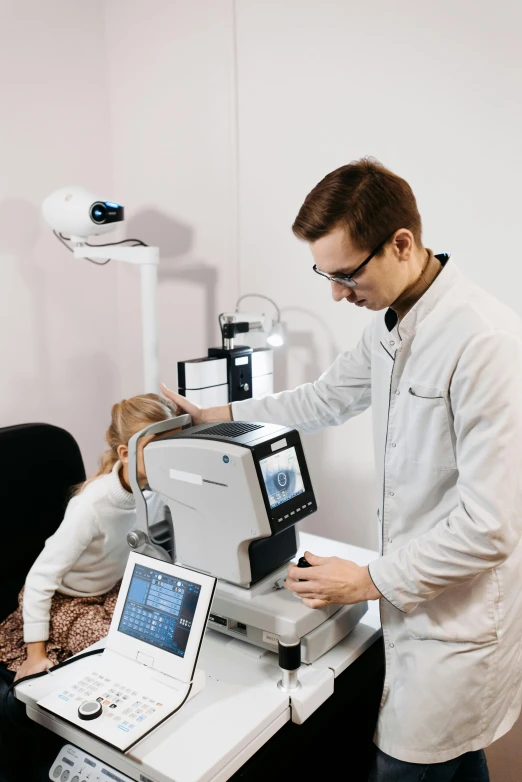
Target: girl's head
x: 127, y: 418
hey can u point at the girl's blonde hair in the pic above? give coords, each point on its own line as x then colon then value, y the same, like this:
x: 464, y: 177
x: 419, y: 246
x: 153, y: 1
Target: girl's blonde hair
x: 127, y: 418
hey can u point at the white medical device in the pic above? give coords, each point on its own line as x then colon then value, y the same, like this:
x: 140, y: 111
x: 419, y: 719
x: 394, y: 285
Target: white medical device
x: 79, y: 214
x: 233, y: 372
x: 235, y: 492
x: 148, y: 667
x: 75, y: 211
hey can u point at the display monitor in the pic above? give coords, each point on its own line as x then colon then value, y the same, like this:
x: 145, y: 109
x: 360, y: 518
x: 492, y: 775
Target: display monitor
x: 282, y: 476
x: 159, y: 609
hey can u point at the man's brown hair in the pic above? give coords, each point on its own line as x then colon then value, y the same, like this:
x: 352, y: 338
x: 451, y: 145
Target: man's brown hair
x: 363, y: 197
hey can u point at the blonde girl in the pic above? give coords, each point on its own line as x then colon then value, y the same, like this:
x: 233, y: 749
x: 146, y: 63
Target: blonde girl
x: 71, y: 590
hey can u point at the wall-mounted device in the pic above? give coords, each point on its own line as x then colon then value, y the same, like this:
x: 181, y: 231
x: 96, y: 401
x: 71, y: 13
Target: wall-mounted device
x: 74, y: 214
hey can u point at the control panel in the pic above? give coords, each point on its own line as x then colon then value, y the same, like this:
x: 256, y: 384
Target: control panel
x: 75, y: 765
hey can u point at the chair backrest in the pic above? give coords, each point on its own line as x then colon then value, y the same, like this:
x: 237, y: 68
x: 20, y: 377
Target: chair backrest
x: 39, y: 463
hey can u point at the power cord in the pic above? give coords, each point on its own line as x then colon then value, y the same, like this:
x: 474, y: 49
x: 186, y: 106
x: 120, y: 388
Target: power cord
x: 14, y: 684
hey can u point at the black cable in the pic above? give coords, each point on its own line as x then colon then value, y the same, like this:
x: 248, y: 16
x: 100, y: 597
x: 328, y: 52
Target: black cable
x: 14, y: 684
x: 137, y: 242
x: 64, y: 239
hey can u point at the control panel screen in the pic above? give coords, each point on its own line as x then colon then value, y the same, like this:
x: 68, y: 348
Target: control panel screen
x: 282, y: 475
x: 159, y: 609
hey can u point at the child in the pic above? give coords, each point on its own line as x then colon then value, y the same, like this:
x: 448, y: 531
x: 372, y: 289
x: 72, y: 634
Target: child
x: 71, y: 590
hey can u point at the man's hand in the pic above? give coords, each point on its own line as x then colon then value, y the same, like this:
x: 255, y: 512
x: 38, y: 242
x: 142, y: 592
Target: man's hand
x: 36, y: 662
x: 331, y: 581
x: 199, y: 415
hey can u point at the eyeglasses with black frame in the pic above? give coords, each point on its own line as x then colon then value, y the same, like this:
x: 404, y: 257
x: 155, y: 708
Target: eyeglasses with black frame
x: 347, y: 279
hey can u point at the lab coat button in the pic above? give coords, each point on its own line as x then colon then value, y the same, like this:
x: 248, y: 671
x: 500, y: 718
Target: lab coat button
x: 398, y: 392
x: 392, y: 342
x: 391, y: 646
x: 394, y: 445
x: 392, y: 494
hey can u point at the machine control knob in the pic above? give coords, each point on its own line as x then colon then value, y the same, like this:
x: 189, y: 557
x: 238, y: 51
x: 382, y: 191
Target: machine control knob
x: 90, y: 710
x: 303, y: 563
x: 289, y: 655
x: 136, y: 539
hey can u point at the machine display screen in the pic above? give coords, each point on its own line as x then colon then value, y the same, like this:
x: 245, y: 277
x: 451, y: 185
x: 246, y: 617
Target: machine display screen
x: 282, y: 475
x: 159, y: 609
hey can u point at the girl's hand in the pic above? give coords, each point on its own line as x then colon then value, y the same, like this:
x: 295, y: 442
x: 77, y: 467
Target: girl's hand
x: 37, y: 661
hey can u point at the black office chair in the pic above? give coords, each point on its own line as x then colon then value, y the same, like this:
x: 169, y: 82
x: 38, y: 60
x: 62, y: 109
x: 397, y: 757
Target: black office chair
x: 39, y: 463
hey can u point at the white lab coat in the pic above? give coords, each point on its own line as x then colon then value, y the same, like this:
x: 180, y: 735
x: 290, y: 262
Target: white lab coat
x: 445, y: 388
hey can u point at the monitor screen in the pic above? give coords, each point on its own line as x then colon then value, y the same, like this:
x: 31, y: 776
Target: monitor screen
x: 282, y: 475
x: 159, y: 609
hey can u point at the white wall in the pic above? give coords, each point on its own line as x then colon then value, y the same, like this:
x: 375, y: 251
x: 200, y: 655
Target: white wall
x: 174, y: 166
x: 59, y: 358
x: 428, y: 89
x: 134, y: 101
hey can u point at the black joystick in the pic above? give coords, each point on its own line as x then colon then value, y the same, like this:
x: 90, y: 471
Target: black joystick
x: 90, y: 710
x: 303, y: 563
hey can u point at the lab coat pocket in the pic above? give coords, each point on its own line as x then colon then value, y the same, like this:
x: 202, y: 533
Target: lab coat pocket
x: 430, y: 442
x: 465, y: 613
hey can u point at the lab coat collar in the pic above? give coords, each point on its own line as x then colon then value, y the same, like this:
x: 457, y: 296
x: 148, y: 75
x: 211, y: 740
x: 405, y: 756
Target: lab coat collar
x: 427, y: 302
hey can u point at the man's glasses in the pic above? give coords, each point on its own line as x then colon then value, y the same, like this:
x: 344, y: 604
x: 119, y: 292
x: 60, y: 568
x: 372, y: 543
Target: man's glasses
x: 347, y: 279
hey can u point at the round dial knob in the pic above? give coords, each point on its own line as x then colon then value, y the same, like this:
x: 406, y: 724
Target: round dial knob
x: 90, y: 710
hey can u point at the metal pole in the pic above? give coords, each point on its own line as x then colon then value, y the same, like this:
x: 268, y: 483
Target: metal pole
x: 149, y: 326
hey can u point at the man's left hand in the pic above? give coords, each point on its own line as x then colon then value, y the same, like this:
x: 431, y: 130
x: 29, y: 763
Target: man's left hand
x: 331, y: 581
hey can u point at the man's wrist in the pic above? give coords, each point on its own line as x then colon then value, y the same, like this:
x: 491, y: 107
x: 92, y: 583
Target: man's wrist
x: 368, y: 587
x: 217, y: 413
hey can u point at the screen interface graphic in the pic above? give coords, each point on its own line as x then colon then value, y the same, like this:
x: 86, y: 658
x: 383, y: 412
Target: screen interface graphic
x: 282, y: 476
x: 159, y: 609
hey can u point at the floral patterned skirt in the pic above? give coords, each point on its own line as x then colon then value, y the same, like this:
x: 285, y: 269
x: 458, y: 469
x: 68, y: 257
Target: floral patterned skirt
x: 76, y: 622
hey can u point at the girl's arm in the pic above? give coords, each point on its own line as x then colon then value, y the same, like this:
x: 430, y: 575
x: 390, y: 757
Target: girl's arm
x: 60, y: 553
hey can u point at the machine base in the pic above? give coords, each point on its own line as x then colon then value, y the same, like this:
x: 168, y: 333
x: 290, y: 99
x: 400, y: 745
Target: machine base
x: 264, y: 613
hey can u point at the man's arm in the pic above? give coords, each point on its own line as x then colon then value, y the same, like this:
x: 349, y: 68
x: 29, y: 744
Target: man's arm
x: 343, y: 391
x: 486, y: 526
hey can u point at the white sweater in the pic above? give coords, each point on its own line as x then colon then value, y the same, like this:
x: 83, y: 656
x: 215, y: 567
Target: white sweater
x: 88, y: 552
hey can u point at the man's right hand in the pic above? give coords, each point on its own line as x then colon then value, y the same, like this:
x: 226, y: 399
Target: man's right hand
x: 199, y: 415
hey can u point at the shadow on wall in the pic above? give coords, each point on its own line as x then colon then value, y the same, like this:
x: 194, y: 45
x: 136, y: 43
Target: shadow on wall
x: 345, y: 513
x: 175, y: 241
x: 90, y: 382
x: 312, y: 364
x: 26, y: 331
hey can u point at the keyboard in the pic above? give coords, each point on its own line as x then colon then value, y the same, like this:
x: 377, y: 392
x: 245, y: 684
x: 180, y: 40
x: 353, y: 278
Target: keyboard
x: 128, y: 712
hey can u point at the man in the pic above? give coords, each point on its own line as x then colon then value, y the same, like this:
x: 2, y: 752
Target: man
x: 441, y: 366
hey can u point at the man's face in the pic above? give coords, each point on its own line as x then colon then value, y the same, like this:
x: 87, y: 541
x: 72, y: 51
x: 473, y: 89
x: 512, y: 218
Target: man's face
x: 379, y: 283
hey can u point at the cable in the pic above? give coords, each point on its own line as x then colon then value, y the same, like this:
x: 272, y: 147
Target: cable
x: 259, y: 296
x: 137, y: 242
x: 64, y: 239
x: 14, y: 684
